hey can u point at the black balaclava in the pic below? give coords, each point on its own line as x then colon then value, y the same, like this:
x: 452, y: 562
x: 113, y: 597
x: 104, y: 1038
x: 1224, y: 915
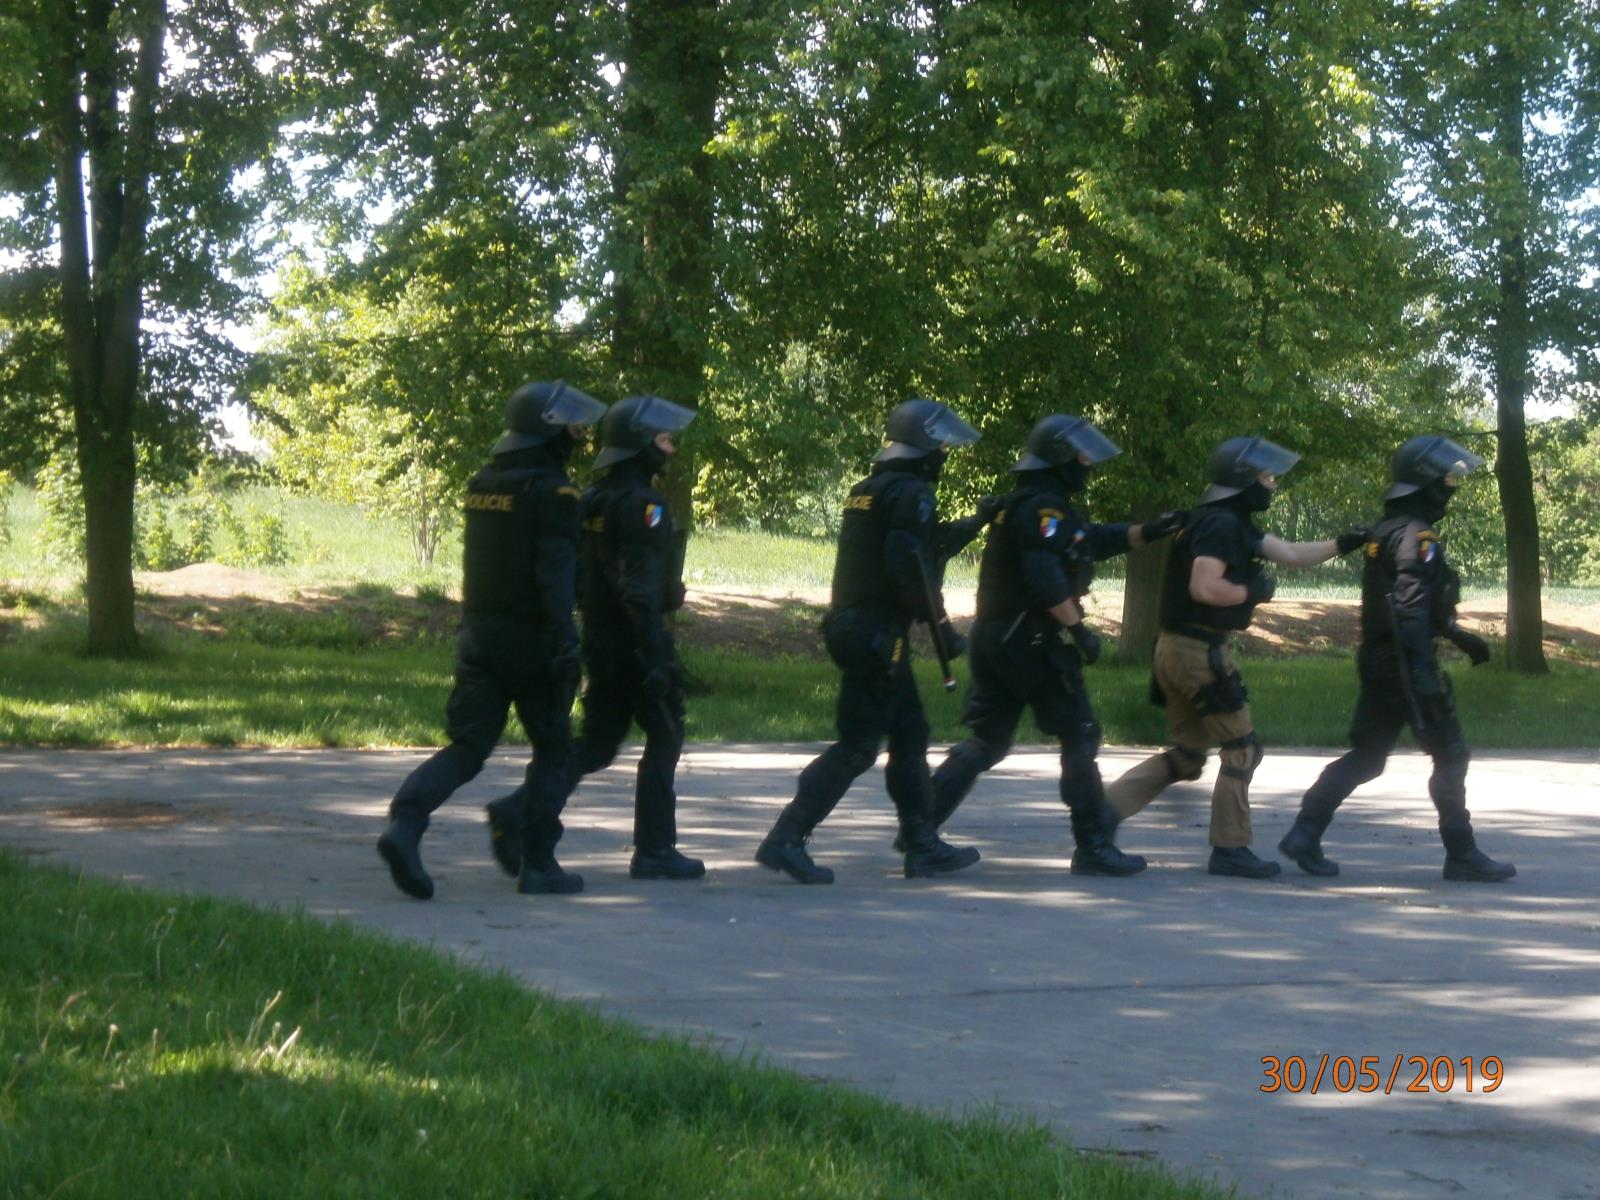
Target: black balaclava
x: 1256, y: 498
x: 561, y: 445
x: 931, y: 464
x: 653, y: 457
x: 1072, y: 475
x: 1427, y: 504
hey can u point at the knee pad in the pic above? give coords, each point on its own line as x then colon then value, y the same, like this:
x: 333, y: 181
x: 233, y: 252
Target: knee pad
x: 1184, y: 763
x: 1241, y: 756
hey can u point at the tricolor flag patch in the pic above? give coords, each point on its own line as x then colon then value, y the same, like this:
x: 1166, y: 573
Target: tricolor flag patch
x: 1429, y: 550
x: 1049, y: 522
x: 652, y: 515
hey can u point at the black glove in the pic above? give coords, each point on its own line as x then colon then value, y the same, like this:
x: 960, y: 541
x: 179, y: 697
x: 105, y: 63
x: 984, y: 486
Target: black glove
x: 1353, y: 538
x: 954, y: 644
x: 1167, y: 524
x: 989, y: 507
x: 1470, y: 644
x: 1087, y: 641
x: 659, y: 676
x: 567, y: 666
x: 1260, y: 589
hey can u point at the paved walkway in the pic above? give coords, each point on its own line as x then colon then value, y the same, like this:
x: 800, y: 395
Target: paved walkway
x: 1132, y: 1014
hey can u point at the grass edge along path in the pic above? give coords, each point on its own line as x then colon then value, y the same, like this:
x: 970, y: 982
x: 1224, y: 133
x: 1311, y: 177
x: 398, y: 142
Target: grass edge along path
x: 159, y: 1045
x: 194, y: 691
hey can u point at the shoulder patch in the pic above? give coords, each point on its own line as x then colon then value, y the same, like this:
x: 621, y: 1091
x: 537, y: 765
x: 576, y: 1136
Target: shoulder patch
x: 568, y: 491
x: 653, y: 514
x: 1427, y: 545
x: 1049, y: 521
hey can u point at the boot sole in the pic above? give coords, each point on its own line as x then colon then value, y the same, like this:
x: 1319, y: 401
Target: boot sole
x: 1075, y: 869
x: 404, y: 878
x: 652, y: 873
x: 1461, y: 875
x: 823, y: 874
x: 928, y: 870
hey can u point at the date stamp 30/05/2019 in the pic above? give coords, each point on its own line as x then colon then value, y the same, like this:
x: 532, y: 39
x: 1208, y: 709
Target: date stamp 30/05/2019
x: 1370, y: 1073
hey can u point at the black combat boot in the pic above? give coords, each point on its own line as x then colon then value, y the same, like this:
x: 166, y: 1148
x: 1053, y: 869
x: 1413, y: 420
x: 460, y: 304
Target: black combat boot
x: 398, y: 847
x: 542, y: 875
x: 666, y: 863
x: 505, y: 834
x: 1240, y: 861
x: 1303, y: 844
x: 928, y: 854
x: 1094, y: 852
x: 1465, y: 863
x: 784, y: 849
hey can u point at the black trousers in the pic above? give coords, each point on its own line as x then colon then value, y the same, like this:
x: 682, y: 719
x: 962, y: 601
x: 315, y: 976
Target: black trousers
x: 1015, y: 668
x: 615, y: 700
x: 878, y: 701
x: 500, y: 664
x: 1382, y: 711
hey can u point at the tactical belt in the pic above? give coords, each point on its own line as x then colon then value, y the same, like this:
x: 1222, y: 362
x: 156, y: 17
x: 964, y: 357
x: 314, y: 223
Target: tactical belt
x: 1200, y: 633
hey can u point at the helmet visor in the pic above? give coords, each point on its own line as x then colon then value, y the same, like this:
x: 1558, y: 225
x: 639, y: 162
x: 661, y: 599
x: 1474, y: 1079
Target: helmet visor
x: 1453, y: 462
x: 1262, y: 455
x: 947, y: 429
x: 572, y: 407
x: 656, y: 415
x: 1086, y: 439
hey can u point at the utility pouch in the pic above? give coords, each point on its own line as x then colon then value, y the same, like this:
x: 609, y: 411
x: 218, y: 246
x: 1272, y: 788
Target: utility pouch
x: 1225, y: 694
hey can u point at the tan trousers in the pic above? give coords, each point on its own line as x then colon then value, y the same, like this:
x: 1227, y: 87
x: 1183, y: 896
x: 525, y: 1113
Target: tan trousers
x: 1182, y: 668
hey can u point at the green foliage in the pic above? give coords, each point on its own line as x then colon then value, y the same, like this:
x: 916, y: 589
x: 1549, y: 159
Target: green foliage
x: 61, y: 533
x: 257, y: 536
x: 7, y: 482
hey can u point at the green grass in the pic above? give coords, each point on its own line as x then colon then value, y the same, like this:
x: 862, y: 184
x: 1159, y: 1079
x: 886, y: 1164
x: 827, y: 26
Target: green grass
x: 192, y: 690
x: 160, y: 1046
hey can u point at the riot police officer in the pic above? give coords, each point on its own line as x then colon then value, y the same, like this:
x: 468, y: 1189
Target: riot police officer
x: 518, y: 644
x: 1037, y: 566
x: 1408, y: 598
x: 891, y: 549
x: 630, y: 576
x: 1214, y: 580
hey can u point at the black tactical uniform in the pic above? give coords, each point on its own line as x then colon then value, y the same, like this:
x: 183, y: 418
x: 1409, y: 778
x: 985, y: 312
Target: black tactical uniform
x: 1039, y: 553
x: 891, y: 548
x: 1408, y: 598
x: 630, y: 576
x: 518, y: 642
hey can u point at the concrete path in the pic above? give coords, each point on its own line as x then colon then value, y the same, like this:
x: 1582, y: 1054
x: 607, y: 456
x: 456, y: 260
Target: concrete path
x: 1132, y: 1014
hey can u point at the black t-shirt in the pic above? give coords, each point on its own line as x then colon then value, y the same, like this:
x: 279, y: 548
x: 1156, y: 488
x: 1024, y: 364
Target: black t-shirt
x: 1212, y: 531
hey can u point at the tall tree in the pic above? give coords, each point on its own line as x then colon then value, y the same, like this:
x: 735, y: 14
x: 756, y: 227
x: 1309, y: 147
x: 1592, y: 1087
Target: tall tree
x: 125, y: 131
x: 1499, y: 103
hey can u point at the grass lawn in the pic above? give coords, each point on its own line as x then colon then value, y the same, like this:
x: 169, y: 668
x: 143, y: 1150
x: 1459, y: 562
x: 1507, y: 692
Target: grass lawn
x: 193, y: 690
x: 159, y: 1046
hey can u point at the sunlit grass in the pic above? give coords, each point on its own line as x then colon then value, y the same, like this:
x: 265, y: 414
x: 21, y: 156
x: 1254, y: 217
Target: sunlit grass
x: 164, y: 1046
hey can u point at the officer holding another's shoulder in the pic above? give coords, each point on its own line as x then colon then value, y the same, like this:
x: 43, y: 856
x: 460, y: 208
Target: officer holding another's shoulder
x: 630, y: 577
x: 518, y: 645
x: 1408, y: 598
x: 1037, y: 567
x: 1214, y: 581
x: 892, y: 548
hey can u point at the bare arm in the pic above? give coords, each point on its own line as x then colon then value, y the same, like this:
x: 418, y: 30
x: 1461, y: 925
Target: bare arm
x: 1207, y: 585
x: 1067, y: 612
x: 1297, y: 554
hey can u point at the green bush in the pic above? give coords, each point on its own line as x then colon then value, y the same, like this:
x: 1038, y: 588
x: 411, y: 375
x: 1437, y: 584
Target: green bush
x: 7, y: 480
x: 258, y: 537
x: 63, y: 536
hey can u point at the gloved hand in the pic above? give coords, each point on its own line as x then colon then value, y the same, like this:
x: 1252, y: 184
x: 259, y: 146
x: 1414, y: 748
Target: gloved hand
x: 1087, y: 641
x: 954, y: 644
x: 1260, y: 589
x: 567, y: 666
x: 989, y: 507
x: 659, y: 676
x: 1470, y: 644
x: 1353, y: 538
x: 1167, y: 524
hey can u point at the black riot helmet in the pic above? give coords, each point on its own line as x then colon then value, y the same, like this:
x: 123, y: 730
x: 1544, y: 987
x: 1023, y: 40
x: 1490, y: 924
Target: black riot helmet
x: 539, y: 411
x: 917, y: 428
x: 631, y: 425
x: 1238, y: 461
x: 1059, y: 439
x: 1427, y: 460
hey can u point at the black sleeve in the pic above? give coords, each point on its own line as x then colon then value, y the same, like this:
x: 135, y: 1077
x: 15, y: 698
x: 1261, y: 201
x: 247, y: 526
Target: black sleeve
x: 644, y: 550
x: 555, y: 568
x: 953, y: 537
x: 911, y: 528
x: 1220, y: 534
x: 1107, y: 541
